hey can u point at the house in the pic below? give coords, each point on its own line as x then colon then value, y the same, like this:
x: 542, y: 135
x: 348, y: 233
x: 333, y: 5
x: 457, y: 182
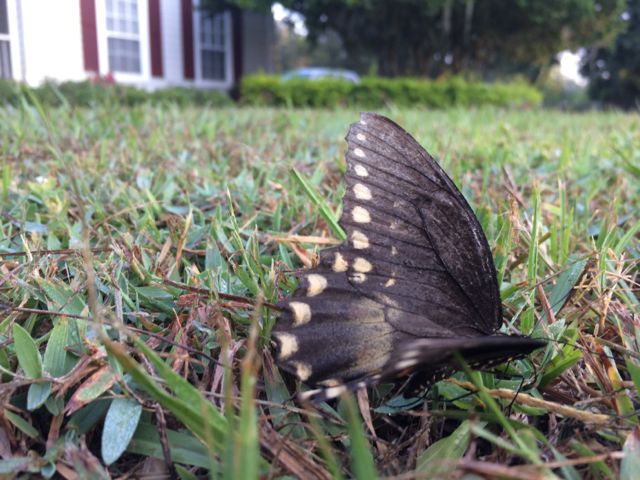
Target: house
x: 147, y: 43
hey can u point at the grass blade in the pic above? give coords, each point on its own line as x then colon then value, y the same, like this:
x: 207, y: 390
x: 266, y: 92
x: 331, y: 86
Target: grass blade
x: 27, y: 352
x: 325, y: 211
x: 119, y: 426
x: 448, y: 448
x: 362, y: 462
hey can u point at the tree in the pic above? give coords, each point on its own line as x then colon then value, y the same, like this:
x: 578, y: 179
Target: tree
x: 614, y: 73
x: 432, y: 37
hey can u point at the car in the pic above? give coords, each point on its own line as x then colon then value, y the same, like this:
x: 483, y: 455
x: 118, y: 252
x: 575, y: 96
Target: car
x: 316, y: 73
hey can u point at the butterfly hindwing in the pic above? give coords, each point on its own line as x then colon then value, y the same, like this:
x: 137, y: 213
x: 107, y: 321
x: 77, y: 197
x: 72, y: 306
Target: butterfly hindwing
x: 428, y: 360
x: 413, y: 283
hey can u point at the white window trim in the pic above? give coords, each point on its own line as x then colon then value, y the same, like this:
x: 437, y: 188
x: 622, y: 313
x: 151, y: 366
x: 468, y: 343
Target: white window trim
x: 14, y: 40
x: 142, y: 37
x: 227, y: 83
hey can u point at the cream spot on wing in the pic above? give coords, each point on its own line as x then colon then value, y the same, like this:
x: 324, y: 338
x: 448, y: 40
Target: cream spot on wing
x: 394, y: 250
x: 303, y: 370
x: 288, y: 344
x: 339, y: 263
x: 361, y: 171
x: 360, y: 215
x: 359, y: 240
x: 362, y: 137
x: 411, y: 354
x: 334, y: 392
x: 362, y: 192
x: 362, y: 122
x: 308, y: 394
x: 358, y: 152
x: 317, y: 284
x: 393, y: 225
x: 358, y: 277
x: 406, y: 364
x: 301, y: 313
x: 390, y: 283
x: 361, y: 265
x: 330, y: 382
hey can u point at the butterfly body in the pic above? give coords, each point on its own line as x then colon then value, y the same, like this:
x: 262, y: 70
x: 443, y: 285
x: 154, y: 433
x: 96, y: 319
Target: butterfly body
x: 413, y: 284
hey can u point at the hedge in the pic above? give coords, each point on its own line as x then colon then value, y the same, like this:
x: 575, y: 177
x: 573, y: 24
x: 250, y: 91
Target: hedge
x: 270, y: 90
x: 375, y: 92
x: 86, y: 94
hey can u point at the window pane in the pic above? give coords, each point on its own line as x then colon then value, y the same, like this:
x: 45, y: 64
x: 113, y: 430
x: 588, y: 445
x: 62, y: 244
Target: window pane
x: 122, y: 16
x: 4, y: 17
x: 212, y: 31
x: 124, y: 55
x: 5, y: 59
x: 212, y: 65
x: 218, y: 26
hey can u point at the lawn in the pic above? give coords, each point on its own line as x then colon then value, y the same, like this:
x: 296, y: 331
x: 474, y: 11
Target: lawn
x: 141, y: 249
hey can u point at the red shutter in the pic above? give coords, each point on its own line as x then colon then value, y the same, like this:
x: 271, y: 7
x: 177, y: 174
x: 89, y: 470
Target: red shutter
x: 89, y: 35
x: 155, y: 38
x: 187, y: 39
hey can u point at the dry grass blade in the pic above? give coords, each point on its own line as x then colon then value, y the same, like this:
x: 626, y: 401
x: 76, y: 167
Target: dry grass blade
x: 524, y: 399
x: 295, y: 460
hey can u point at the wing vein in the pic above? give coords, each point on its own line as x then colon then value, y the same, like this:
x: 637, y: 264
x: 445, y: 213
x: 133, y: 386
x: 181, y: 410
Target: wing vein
x: 401, y: 155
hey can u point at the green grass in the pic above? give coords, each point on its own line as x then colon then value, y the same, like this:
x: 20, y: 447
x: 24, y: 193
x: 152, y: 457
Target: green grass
x: 140, y: 250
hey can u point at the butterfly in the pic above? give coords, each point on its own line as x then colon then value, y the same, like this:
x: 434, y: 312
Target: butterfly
x: 413, y: 285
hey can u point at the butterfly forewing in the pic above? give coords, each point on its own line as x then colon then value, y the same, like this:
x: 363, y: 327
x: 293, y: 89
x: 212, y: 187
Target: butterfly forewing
x: 413, y: 283
x: 452, y: 238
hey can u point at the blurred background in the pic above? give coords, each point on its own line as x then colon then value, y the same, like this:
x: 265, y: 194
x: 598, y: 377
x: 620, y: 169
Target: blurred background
x: 574, y: 54
x: 131, y: 204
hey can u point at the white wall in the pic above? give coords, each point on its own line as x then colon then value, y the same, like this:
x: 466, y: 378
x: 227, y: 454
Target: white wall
x: 52, y: 40
x: 13, y: 15
x: 46, y: 43
x: 171, y: 24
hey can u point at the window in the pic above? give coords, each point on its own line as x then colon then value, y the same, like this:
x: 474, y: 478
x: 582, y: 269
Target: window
x: 213, y: 39
x: 5, y: 45
x: 123, y: 36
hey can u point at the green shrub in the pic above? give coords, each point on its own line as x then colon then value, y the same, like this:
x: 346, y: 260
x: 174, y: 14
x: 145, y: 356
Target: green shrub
x: 9, y: 92
x: 87, y: 94
x: 375, y: 92
x: 191, y: 96
x: 270, y: 90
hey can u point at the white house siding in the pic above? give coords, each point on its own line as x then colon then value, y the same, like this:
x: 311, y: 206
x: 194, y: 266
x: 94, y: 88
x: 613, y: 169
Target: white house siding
x: 46, y: 42
x: 171, y: 24
x: 10, y: 62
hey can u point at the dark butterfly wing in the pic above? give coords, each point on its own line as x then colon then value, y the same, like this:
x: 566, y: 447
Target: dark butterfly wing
x: 415, y: 275
x: 428, y: 360
x: 423, y: 225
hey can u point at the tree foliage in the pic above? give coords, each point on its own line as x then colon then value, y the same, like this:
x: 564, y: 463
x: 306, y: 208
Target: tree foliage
x: 432, y: 37
x: 614, y: 73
